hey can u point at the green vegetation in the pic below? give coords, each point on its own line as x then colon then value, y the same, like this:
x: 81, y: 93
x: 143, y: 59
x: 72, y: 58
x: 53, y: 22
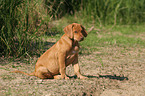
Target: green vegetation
x: 121, y: 36
x: 24, y: 23
x: 20, y: 22
x: 113, y: 11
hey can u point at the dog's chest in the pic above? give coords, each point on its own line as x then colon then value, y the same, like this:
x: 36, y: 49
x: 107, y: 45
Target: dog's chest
x: 72, y: 54
x: 75, y: 50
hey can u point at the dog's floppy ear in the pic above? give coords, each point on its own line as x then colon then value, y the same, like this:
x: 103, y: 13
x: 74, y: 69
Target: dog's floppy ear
x: 69, y: 31
x: 84, y: 32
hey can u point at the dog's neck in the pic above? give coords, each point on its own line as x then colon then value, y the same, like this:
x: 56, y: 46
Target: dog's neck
x: 71, y: 41
x: 74, y: 42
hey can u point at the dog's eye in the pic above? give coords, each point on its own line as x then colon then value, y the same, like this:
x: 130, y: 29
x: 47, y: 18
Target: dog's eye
x: 76, y: 32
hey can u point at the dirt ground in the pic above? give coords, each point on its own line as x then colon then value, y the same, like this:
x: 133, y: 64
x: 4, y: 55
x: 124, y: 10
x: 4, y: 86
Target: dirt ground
x: 112, y: 71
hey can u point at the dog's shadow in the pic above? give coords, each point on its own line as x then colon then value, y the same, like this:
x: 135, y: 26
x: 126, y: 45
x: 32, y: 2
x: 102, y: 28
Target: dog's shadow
x: 114, y: 77
x: 120, y: 78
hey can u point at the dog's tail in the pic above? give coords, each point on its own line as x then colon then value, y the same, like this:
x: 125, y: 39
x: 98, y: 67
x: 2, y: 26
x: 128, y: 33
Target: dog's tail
x: 17, y: 71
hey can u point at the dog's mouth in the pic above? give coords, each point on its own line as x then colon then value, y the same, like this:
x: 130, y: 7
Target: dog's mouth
x: 81, y: 39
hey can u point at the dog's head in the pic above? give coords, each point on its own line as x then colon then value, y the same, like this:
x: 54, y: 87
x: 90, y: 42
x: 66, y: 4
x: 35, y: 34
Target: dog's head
x: 75, y: 31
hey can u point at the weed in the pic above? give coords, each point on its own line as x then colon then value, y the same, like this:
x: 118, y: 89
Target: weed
x: 127, y: 38
x: 22, y: 22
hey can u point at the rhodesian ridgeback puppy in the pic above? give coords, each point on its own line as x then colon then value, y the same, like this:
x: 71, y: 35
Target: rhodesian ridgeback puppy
x: 53, y: 63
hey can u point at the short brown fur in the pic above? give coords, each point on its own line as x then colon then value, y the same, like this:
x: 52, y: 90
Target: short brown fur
x: 53, y: 63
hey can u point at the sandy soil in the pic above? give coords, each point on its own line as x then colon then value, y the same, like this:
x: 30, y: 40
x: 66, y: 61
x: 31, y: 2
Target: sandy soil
x: 112, y: 71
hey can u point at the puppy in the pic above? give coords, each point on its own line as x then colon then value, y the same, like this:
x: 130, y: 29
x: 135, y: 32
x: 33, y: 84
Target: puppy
x: 53, y: 63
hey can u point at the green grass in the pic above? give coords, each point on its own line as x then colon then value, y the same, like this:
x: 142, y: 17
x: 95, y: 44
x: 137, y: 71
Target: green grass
x: 104, y: 12
x: 122, y: 36
x: 22, y: 22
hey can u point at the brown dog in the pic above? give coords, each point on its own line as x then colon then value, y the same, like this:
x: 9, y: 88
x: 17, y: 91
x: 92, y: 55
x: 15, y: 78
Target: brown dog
x: 53, y: 63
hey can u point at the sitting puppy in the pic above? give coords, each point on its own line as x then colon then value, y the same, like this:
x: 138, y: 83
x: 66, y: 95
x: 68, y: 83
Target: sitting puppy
x: 53, y: 63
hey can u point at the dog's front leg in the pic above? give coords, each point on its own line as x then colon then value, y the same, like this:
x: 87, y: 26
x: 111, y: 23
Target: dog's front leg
x: 62, y: 66
x: 77, y: 69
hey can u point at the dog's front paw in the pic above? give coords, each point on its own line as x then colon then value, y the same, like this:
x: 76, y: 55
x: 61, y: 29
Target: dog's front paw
x: 83, y: 77
x: 66, y: 78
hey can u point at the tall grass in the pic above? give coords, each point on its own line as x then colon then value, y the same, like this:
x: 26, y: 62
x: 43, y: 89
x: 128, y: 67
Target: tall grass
x: 23, y: 21
x: 113, y: 11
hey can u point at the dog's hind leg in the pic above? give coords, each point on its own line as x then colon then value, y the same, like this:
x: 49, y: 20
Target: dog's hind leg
x: 60, y: 77
x: 43, y: 73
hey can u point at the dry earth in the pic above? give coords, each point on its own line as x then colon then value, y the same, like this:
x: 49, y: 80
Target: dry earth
x: 112, y: 71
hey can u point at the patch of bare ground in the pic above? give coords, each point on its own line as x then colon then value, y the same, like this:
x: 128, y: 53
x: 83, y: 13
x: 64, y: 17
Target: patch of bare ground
x: 141, y: 35
x: 112, y: 71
